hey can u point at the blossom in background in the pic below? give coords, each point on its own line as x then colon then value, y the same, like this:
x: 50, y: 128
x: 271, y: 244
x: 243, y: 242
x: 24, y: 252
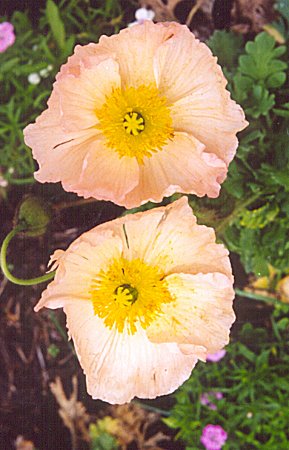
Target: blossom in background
x: 34, y: 78
x: 207, y: 397
x: 137, y: 117
x: 7, y: 36
x: 44, y: 73
x: 141, y: 15
x: 146, y: 296
x: 213, y: 437
x: 216, y: 357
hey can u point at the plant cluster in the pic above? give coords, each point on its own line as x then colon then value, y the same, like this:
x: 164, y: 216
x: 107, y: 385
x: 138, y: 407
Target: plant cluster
x: 253, y: 210
x: 28, y: 69
x: 252, y: 379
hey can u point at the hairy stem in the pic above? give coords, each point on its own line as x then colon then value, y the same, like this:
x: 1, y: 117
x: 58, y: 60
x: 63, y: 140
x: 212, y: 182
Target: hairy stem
x: 6, y: 271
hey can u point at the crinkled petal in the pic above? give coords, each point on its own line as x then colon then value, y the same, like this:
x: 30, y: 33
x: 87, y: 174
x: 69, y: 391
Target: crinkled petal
x: 189, y: 76
x: 170, y: 238
x: 80, y: 96
x: 201, y: 313
x: 77, y: 267
x: 105, y: 175
x: 134, y: 49
x: 84, y: 56
x: 182, y: 166
x: 118, y: 366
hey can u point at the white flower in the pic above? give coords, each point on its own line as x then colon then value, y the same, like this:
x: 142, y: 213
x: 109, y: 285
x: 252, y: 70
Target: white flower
x: 34, y: 78
x: 141, y: 15
x: 44, y: 73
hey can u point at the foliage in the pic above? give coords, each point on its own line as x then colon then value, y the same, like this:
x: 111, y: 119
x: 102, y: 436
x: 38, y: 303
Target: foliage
x: 41, y: 51
x: 101, y: 434
x: 252, y: 214
x: 253, y: 380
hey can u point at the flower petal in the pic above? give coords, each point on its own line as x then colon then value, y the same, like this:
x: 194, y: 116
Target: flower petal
x: 105, y: 175
x: 170, y: 238
x: 136, y: 59
x: 50, y: 142
x: 80, y: 96
x: 201, y: 314
x: 188, y: 75
x: 182, y: 166
x: 119, y: 366
x: 77, y: 267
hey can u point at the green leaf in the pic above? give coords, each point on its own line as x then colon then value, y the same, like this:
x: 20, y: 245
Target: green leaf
x: 261, y: 61
x: 261, y: 102
x: 276, y: 80
x: 226, y: 46
x: 260, y: 217
x: 56, y: 24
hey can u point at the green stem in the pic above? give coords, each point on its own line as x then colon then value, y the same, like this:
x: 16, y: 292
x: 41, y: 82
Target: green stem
x: 18, y: 181
x: 61, y: 331
x: 235, y: 213
x: 152, y: 408
x: 254, y: 296
x: 8, y: 274
x: 76, y: 203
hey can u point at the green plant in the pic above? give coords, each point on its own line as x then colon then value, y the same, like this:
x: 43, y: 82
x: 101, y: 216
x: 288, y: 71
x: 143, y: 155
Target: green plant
x: 252, y: 213
x: 253, y: 380
x: 40, y: 51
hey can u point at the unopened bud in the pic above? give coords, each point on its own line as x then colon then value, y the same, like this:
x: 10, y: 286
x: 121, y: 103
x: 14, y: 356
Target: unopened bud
x: 33, y: 216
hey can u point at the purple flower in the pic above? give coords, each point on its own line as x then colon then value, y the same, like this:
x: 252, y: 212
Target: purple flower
x: 213, y: 437
x: 207, y: 397
x: 215, y: 357
x: 7, y: 36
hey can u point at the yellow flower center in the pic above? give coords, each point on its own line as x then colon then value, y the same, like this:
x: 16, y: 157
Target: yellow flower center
x: 136, y: 122
x: 133, y: 123
x: 129, y: 293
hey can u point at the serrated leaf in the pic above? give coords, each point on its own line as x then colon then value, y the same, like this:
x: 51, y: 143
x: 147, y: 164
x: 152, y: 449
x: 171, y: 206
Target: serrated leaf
x: 261, y: 61
x: 261, y: 102
x: 226, y: 46
x: 56, y: 24
x: 276, y: 80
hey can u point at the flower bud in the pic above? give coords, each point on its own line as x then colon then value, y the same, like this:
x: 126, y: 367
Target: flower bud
x: 33, y: 216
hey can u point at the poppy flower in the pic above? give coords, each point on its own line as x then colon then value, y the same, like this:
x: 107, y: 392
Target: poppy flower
x: 137, y: 117
x: 145, y: 296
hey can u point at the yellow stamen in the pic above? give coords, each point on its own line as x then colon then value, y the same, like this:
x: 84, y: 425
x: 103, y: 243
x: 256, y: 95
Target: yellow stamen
x: 129, y: 293
x: 135, y: 122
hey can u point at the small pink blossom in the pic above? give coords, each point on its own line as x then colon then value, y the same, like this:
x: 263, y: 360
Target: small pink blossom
x: 213, y: 437
x: 207, y: 397
x: 215, y: 357
x: 7, y: 36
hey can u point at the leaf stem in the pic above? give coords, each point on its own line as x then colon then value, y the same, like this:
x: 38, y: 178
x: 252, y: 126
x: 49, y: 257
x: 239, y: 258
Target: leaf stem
x: 20, y: 181
x: 8, y: 274
x: 252, y: 295
x: 76, y: 203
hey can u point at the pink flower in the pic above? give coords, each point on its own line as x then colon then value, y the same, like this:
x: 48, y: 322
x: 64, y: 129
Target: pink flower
x: 146, y: 296
x: 213, y: 437
x: 7, y: 36
x: 137, y: 117
x: 207, y: 397
x: 215, y: 357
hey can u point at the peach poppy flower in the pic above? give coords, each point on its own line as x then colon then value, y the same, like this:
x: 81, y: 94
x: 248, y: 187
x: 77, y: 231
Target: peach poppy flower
x: 137, y: 117
x: 145, y: 296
